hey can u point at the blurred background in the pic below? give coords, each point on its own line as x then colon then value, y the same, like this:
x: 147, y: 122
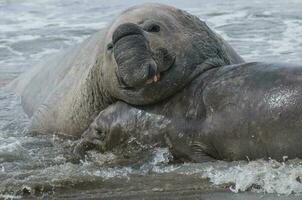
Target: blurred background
x: 258, y: 29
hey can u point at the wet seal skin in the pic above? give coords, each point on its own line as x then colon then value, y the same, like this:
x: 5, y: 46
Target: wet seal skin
x: 147, y: 54
x: 236, y: 112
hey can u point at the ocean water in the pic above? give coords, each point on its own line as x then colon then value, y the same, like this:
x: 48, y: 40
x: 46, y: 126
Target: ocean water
x: 39, y: 164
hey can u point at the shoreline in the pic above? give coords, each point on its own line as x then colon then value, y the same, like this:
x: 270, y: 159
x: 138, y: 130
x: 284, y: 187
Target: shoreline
x: 154, y: 186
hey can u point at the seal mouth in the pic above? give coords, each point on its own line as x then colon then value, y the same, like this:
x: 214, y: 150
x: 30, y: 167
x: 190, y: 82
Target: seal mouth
x: 160, y: 74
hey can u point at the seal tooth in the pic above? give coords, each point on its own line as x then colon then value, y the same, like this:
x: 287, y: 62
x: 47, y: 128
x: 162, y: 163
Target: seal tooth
x: 156, y: 78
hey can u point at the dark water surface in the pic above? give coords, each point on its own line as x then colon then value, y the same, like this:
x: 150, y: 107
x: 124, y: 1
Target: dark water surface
x: 38, y: 164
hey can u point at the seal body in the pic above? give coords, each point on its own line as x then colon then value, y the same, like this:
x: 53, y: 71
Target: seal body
x: 245, y: 111
x: 254, y: 111
x: 148, y: 53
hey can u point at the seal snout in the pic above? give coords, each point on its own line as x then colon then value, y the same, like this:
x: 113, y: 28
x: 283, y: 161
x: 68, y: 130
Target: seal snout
x: 137, y: 63
x: 125, y: 30
x: 133, y: 56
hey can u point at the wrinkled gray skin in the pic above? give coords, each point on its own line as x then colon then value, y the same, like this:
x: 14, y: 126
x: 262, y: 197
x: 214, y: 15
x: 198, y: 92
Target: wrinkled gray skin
x: 148, y: 53
x: 245, y: 111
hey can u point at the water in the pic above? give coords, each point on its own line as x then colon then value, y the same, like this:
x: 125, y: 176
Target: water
x: 40, y: 164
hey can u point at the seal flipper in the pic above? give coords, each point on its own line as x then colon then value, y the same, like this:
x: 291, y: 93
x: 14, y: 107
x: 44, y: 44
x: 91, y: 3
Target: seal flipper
x: 184, y: 152
x: 198, y: 153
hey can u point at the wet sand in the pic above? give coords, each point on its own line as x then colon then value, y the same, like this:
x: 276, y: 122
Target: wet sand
x: 163, y: 186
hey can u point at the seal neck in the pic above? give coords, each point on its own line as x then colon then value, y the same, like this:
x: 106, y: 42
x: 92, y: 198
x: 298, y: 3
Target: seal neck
x: 100, y: 94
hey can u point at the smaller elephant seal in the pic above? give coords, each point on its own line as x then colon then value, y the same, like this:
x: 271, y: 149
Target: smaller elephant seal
x: 148, y: 53
x: 235, y: 112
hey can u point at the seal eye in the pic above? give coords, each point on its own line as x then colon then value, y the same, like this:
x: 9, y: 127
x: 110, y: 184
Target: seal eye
x: 153, y: 28
x: 109, y: 46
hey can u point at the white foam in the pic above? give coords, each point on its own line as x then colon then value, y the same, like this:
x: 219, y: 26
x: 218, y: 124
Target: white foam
x: 268, y: 176
x: 9, y: 197
x: 161, y: 156
x: 113, y: 172
x: 13, y: 151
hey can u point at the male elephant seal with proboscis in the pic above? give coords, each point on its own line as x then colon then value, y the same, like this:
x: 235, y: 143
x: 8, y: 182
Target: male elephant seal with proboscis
x: 146, y: 54
x: 245, y: 111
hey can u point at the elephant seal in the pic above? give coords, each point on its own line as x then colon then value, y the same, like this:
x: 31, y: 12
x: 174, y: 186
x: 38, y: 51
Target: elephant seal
x: 148, y: 53
x: 235, y: 112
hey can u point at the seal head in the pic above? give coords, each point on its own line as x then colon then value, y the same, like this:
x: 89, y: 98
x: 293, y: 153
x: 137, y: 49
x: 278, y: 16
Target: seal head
x: 156, y: 51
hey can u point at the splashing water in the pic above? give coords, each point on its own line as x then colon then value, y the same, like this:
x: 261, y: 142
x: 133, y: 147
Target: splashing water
x: 260, y: 176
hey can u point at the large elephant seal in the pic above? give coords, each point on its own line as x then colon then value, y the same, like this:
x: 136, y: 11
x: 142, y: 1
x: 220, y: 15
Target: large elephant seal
x: 148, y: 53
x: 245, y: 111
